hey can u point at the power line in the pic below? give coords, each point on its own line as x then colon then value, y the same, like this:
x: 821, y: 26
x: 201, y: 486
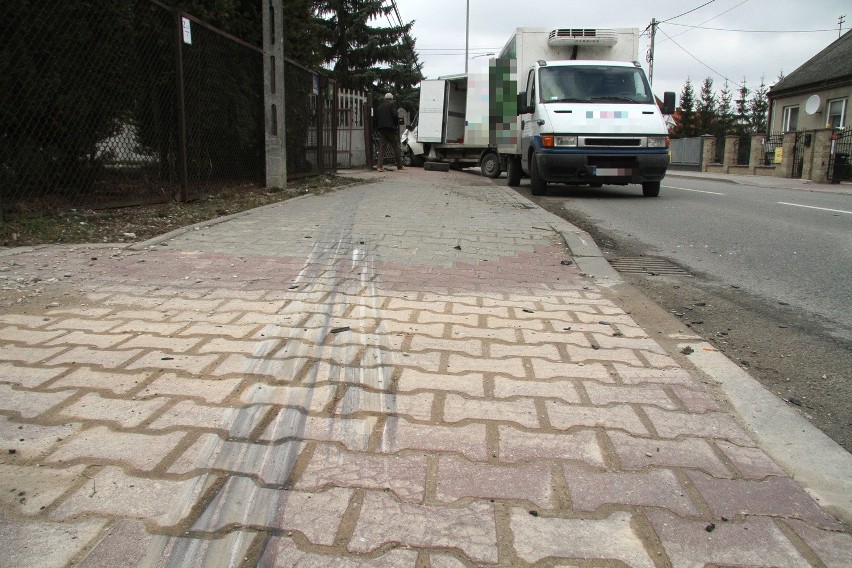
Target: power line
x: 685, y: 13
x: 699, y: 61
x: 699, y: 27
x: 713, y: 18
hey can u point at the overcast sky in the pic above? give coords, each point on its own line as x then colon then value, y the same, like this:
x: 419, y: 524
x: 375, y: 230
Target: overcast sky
x: 695, y: 53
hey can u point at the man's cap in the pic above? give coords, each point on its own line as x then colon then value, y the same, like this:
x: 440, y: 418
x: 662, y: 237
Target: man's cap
x: 388, y: 96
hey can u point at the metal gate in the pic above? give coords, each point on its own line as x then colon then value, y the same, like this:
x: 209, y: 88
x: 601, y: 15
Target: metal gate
x: 839, y: 166
x: 799, y: 154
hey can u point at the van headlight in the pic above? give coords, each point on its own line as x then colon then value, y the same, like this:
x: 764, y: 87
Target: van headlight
x: 658, y: 141
x: 558, y: 141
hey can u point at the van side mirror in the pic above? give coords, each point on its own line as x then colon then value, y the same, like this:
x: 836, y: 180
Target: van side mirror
x: 523, y: 108
x: 669, y: 102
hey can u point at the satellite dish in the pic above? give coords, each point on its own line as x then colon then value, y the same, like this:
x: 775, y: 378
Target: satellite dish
x: 812, y: 105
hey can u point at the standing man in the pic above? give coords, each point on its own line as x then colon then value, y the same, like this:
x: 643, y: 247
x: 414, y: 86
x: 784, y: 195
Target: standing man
x: 387, y: 121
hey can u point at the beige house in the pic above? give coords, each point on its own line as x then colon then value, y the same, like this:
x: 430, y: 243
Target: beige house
x: 817, y: 94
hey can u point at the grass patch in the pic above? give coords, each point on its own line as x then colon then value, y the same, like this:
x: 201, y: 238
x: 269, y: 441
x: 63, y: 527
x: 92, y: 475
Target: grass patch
x: 141, y: 222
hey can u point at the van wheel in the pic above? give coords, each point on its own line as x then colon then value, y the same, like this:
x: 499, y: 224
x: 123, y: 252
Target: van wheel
x: 513, y: 170
x: 490, y: 165
x: 537, y: 185
x: 651, y: 188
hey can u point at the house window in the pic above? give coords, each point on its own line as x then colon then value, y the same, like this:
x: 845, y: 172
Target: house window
x: 791, y: 118
x: 836, y: 113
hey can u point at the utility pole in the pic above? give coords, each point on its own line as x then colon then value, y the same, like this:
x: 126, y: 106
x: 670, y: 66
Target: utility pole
x: 651, y: 52
x: 840, y: 22
x: 466, y: 35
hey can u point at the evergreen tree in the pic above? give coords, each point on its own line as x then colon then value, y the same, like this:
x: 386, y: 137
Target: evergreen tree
x: 724, y: 113
x: 685, y: 115
x: 707, y: 108
x: 758, y: 107
x: 743, y: 123
x: 371, y: 58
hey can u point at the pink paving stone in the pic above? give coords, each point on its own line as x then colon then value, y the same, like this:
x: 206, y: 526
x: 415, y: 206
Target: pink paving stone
x: 696, y: 399
x: 126, y: 413
x: 400, y: 434
x: 100, y: 357
x: 602, y: 395
x: 330, y: 466
x: 637, y: 453
x: 471, y: 529
x: 610, y: 538
x: 833, y: 548
x: 753, y: 463
x: 517, y: 445
x: 591, y: 489
x: 241, y: 502
x: 636, y: 375
x: 282, y: 552
x: 103, y: 445
x: 463, y: 364
x: 27, y: 336
x: 520, y: 411
x: 458, y: 478
x: 210, y: 390
x: 565, y: 416
x: 708, y: 425
x: 563, y: 390
x: 304, y: 397
x: 757, y: 541
x: 29, y: 404
x: 776, y: 496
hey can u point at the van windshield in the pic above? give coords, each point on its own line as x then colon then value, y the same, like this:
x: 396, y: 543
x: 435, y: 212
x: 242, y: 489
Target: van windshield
x: 593, y: 83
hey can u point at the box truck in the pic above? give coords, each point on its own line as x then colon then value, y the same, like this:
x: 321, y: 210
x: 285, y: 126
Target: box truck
x: 565, y: 105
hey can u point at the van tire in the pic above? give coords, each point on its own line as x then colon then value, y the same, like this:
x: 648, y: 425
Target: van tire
x: 537, y: 185
x: 651, y: 188
x: 490, y: 165
x: 513, y: 171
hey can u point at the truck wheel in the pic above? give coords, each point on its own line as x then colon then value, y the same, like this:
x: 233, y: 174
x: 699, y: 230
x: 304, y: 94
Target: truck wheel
x: 513, y: 171
x: 651, y: 188
x: 490, y: 165
x: 537, y: 185
x: 409, y: 159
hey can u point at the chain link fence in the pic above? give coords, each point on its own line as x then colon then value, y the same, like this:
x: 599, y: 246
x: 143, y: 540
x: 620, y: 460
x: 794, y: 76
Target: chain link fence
x: 125, y: 102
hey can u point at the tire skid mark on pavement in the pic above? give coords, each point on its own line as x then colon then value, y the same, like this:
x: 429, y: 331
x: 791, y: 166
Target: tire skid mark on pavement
x: 247, y: 502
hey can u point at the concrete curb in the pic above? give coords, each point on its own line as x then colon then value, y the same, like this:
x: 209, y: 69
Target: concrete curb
x: 813, y: 459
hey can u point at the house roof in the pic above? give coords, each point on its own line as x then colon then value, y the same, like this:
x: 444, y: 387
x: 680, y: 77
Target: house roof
x: 831, y: 65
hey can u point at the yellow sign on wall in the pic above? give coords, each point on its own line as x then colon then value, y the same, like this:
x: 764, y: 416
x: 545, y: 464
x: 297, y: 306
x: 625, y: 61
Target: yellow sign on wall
x: 779, y: 154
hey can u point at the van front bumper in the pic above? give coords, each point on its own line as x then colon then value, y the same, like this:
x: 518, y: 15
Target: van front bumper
x: 611, y: 168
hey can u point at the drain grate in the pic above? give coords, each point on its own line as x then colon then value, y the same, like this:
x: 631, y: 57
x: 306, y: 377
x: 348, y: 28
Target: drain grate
x: 648, y: 265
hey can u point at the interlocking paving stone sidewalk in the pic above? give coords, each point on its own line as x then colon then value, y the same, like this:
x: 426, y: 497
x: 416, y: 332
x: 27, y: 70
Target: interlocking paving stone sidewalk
x: 400, y: 373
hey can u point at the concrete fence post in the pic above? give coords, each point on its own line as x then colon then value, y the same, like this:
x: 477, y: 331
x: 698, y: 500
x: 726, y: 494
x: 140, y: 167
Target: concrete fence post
x: 756, y: 156
x: 732, y: 147
x: 273, y: 93
x: 708, y: 151
x: 821, y: 146
x: 789, y: 146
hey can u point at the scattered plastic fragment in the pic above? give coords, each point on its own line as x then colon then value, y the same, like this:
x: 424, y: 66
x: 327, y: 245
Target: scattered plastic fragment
x: 340, y: 329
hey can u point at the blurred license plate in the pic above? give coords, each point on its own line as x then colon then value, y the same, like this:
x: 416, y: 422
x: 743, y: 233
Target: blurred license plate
x: 607, y: 172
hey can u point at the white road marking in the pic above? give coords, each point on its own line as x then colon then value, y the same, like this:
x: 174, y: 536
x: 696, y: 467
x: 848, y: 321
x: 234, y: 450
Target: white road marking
x: 695, y: 190
x: 811, y: 207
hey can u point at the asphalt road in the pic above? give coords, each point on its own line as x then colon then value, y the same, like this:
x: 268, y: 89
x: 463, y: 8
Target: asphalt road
x: 782, y: 245
x: 771, y: 282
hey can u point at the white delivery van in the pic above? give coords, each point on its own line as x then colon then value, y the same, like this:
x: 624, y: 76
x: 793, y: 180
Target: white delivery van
x: 586, y: 121
x: 567, y: 105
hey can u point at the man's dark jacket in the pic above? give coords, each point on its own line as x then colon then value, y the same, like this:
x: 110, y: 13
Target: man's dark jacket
x: 386, y: 115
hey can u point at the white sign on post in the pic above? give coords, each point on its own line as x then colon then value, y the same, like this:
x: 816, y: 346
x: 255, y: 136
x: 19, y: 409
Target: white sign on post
x: 187, y: 31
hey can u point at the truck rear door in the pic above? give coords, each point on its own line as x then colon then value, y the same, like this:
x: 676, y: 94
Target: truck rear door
x: 433, y: 111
